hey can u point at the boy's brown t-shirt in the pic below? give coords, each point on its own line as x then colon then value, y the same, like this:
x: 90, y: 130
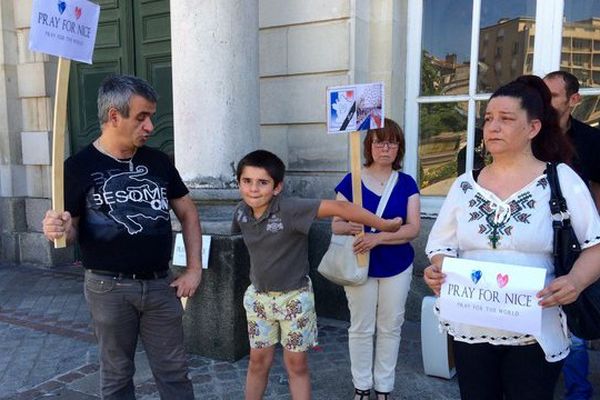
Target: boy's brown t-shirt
x: 277, y: 242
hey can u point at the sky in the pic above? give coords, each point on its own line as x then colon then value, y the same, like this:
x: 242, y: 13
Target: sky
x: 447, y: 23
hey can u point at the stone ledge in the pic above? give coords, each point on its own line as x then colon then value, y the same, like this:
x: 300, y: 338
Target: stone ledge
x: 34, y: 248
x: 215, y: 195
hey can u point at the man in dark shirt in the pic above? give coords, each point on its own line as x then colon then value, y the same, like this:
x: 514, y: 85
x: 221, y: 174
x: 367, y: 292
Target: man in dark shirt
x: 117, y: 198
x: 586, y: 141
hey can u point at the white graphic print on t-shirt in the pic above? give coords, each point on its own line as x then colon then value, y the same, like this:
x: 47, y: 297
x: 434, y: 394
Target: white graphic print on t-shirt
x: 132, y: 199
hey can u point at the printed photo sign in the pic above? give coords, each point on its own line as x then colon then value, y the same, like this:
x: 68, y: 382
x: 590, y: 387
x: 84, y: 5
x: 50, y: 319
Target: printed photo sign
x: 355, y: 107
x: 493, y: 295
x: 64, y: 28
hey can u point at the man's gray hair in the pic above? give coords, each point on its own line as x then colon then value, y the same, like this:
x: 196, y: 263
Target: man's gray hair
x: 117, y: 90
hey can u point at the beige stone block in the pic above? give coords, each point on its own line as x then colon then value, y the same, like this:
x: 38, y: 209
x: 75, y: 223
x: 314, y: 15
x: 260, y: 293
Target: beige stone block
x: 10, y: 147
x: 46, y: 172
x: 22, y: 10
x: 278, y: 13
x: 8, y: 53
x: 296, y: 99
x: 10, y: 105
x: 34, y: 185
x: 50, y: 69
x: 35, y: 148
x: 273, y: 51
x: 25, y: 55
x: 4, y: 147
x: 313, y: 184
x: 306, y: 147
x: 37, y: 113
x: 275, y: 138
x: 13, y: 180
x: 32, y: 80
x: 5, y: 181
x: 312, y: 149
x: 319, y: 47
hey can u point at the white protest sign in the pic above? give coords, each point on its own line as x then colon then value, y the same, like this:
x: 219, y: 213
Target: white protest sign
x: 64, y: 28
x: 355, y: 107
x: 179, y: 257
x: 492, y: 295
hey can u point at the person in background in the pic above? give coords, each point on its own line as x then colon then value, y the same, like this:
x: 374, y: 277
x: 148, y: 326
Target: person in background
x: 564, y: 88
x: 377, y: 307
x: 501, y: 214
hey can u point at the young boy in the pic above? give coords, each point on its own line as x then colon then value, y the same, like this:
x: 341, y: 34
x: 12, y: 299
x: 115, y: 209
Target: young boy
x: 279, y: 302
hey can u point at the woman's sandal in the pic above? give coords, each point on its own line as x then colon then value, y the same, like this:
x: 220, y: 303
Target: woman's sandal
x: 364, y: 394
x: 386, y: 395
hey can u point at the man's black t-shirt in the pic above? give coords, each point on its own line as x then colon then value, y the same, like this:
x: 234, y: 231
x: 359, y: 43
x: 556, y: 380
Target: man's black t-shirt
x: 586, y: 141
x: 124, y: 221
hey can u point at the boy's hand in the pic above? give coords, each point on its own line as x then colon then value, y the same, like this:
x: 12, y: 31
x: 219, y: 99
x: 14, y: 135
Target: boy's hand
x: 392, y: 225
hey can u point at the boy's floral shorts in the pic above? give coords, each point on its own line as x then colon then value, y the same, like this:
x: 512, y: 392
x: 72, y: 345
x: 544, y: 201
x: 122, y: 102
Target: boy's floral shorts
x: 286, y: 317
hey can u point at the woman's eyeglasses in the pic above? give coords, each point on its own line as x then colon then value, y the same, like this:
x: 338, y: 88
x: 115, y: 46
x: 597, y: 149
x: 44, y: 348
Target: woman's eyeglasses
x: 381, y: 145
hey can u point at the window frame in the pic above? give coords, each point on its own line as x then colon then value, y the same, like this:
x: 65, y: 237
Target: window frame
x: 546, y: 58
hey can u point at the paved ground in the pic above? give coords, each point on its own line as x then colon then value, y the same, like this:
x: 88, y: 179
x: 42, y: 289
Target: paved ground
x: 47, y: 351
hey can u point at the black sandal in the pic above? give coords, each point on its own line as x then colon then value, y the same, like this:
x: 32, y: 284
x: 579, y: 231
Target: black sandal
x: 384, y: 394
x: 364, y: 394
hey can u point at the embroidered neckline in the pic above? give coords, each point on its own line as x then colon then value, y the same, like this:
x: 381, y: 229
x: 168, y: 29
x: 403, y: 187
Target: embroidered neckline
x: 525, y: 188
x: 496, y: 217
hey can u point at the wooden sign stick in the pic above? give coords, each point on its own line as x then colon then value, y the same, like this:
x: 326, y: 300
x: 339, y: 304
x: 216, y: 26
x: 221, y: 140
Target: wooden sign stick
x: 355, y: 167
x: 58, y: 141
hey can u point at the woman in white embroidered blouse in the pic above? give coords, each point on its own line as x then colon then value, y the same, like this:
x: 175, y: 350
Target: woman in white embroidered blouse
x: 502, y: 214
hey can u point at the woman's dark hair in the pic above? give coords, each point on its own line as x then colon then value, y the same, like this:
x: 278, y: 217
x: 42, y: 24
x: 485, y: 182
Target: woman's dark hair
x: 535, y: 97
x: 263, y: 159
x: 391, y: 132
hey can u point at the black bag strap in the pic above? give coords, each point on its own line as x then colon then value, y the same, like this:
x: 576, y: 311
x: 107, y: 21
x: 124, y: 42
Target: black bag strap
x: 558, y: 204
x: 561, y: 220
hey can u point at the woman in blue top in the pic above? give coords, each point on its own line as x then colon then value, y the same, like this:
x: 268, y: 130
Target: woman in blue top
x: 380, y: 302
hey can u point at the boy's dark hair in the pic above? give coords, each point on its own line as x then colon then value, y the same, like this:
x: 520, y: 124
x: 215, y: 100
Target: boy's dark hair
x: 570, y: 80
x: 263, y: 159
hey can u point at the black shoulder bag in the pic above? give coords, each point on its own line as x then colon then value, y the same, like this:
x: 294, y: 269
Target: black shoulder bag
x: 583, y: 315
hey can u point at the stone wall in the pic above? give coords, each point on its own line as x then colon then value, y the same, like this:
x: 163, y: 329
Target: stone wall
x: 306, y: 46
x: 27, y: 83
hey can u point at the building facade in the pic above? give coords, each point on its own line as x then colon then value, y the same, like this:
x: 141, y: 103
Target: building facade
x: 234, y: 76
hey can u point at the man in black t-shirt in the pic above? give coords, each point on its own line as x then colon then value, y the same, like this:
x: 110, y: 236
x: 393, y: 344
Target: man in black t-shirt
x: 117, y: 198
x: 586, y: 141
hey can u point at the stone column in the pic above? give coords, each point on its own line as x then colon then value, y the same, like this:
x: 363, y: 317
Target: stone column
x: 216, y: 120
x: 215, y: 89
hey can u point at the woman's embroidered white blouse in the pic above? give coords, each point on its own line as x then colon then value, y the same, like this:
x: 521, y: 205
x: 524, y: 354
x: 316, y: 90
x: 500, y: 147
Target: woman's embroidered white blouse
x: 474, y: 223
